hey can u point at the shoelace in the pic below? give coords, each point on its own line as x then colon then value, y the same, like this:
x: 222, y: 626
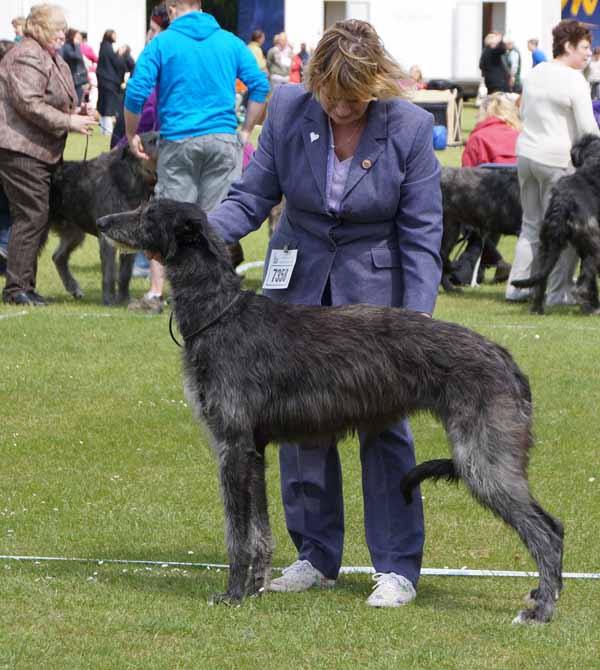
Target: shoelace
x: 296, y: 566
x: 383, y: 579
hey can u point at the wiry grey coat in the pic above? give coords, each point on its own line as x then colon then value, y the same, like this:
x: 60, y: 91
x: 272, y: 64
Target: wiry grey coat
x: 257, y: 371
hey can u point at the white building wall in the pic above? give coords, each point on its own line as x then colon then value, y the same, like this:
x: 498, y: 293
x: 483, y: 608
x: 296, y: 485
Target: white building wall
x: 128, y: 18
x: 443, y: 36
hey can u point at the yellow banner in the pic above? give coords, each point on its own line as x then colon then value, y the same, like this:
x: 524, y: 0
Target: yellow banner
x: 589, y: 6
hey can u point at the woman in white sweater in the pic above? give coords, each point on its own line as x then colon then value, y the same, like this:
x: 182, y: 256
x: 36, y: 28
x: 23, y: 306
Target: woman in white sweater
x: 556, y: 110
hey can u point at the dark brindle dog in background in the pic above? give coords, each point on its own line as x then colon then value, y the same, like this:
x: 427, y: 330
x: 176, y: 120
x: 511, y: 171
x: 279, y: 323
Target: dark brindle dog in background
x: 257, y: 371
x: 485, y: 200
x: 573, y: 215
x: 83, y: 191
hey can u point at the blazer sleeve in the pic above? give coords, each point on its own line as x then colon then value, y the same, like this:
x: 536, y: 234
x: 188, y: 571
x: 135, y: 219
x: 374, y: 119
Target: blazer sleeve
x: 419, y: 223
x: 250, y: 199
x: 27, y: 82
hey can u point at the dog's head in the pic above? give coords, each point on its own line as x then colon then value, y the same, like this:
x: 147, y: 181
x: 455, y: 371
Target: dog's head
x: 586, y: 150
x: 162, y: 227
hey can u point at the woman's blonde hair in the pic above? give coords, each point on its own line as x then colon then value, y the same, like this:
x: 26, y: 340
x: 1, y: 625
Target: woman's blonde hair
x: 44, y: 21
x: 502, y: 107
x: 350, y: 61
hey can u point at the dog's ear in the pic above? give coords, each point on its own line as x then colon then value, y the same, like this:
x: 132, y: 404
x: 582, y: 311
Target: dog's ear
x: 188, y: 222
x: 588, y: 147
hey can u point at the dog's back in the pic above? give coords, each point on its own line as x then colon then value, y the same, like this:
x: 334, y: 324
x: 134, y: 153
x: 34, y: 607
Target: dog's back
x: 83, y: 191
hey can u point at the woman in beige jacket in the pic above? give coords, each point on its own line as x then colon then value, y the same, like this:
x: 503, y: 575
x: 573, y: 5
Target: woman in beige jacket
x: 38, y: 106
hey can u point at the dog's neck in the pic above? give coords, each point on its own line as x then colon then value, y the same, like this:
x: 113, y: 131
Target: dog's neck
x: 201, y: 286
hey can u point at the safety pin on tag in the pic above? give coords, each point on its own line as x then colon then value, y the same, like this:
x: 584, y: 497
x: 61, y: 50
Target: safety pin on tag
x: 286, y: 248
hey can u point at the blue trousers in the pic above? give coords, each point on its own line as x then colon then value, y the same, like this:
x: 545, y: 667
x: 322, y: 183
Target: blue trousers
x: 311, y: 484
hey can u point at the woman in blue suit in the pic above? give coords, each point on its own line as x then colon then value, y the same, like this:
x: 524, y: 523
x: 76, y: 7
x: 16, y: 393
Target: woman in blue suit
x: 362, y: 223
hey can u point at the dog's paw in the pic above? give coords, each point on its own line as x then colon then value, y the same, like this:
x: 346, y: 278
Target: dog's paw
x: 541, y: 613
x: 225, y: 599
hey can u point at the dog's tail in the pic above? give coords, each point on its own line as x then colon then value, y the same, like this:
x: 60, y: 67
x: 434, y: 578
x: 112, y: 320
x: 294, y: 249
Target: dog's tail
x: 441, y: 468
x: 555, y: 234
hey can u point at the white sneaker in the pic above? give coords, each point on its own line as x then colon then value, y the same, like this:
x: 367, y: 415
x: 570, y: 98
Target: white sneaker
x: 391, y: 590
x: 300, y: 576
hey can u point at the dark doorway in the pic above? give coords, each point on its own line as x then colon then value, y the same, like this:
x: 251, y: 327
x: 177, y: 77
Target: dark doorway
x: 224, y: 11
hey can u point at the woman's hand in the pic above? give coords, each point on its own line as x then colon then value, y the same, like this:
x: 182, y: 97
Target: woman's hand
x: 137, y: 148
x: 81, y: 124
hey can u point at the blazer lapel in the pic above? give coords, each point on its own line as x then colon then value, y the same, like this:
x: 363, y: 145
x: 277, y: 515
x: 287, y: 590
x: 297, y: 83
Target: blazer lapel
x: 370, y: 147
x: 315, y: 133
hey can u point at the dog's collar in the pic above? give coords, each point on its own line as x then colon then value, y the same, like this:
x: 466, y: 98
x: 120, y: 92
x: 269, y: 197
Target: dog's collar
x: 205, y: 326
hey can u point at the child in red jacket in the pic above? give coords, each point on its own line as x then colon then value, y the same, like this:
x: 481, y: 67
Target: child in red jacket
x: 494, y: 138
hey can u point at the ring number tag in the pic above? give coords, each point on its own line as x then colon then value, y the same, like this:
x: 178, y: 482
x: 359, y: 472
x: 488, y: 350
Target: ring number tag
x: 281, y: 266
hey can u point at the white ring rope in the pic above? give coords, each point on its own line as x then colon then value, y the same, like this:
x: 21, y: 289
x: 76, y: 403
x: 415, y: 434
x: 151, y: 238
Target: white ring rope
x: 345, y: 570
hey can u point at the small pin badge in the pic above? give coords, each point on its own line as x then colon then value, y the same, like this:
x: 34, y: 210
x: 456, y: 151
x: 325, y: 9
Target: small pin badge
x: 366, y: 164
x: 314, y: 137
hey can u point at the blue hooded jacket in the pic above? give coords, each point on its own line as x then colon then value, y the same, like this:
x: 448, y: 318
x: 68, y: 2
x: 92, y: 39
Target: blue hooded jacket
x: 195, y: 63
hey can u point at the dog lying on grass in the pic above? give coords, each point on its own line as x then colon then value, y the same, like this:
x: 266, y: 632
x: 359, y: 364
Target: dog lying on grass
x: 83, y: 191
x: 257, y: 371
x: 573, y: 215
x: 485, y: 200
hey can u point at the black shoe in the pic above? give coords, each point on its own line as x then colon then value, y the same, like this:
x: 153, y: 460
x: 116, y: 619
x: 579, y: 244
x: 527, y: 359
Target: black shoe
x: 29, y: 298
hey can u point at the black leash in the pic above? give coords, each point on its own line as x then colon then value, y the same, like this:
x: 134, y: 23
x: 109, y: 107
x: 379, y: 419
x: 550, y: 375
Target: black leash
x: 205, y: 326
x: 87, y: 141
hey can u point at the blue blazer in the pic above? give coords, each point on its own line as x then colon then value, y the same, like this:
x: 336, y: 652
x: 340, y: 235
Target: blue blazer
x: 383, y: 247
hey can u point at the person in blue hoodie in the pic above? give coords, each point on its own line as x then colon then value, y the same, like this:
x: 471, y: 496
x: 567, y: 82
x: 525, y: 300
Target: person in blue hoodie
x: 194, y: 65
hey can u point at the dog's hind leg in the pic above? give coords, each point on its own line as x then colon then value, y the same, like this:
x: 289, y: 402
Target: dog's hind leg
x: 491, y: 459
x: 261, y: 540
x: 125, y: 270
x: 108, y: 264
x: 236, y: 472
x: 70, y: 238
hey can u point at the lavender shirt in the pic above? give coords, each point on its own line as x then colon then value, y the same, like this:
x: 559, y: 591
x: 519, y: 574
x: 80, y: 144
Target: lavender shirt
x: 337, y: 175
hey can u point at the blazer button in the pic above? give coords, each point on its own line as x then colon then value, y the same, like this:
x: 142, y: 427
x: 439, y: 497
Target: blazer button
x: 366, y: 164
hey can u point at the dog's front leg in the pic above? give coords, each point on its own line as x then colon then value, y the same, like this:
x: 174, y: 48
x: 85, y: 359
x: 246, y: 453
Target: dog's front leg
x: 125, y: 270
x: 261, y: 539
x: 235, y: 463
x: 107, y: 263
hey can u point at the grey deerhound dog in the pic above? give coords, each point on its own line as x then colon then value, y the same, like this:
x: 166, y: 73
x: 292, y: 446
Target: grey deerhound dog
x: 83, y: 191
x: 483, y: 200
x: 257, y: 371
x: 573, y: 215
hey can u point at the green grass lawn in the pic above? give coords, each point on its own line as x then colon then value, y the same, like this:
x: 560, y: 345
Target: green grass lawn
x: 101, y: 459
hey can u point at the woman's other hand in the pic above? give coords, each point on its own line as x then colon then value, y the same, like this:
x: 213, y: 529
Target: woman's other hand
x: 81, y: 124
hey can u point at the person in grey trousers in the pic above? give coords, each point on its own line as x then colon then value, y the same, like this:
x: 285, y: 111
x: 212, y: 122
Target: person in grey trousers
x: 556, y: 110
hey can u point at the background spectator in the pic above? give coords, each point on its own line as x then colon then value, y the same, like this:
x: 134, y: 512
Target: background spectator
x: 594, y: 73
x: 90, y: 59
x: 296, y: 69
x: 512, y: 63
x: 279, y: 61
x: 304, y: 55
x: 18, y: 24
x: 537, y: 55
x: 200, y: 150
x: 38, y: 109
x: 493, y: 69
x: 494, y: 138
x: 257, y: 39
x: 556, y: 110
x: 417, y: 76
x: 71, y: 52
x: 110, y: 73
